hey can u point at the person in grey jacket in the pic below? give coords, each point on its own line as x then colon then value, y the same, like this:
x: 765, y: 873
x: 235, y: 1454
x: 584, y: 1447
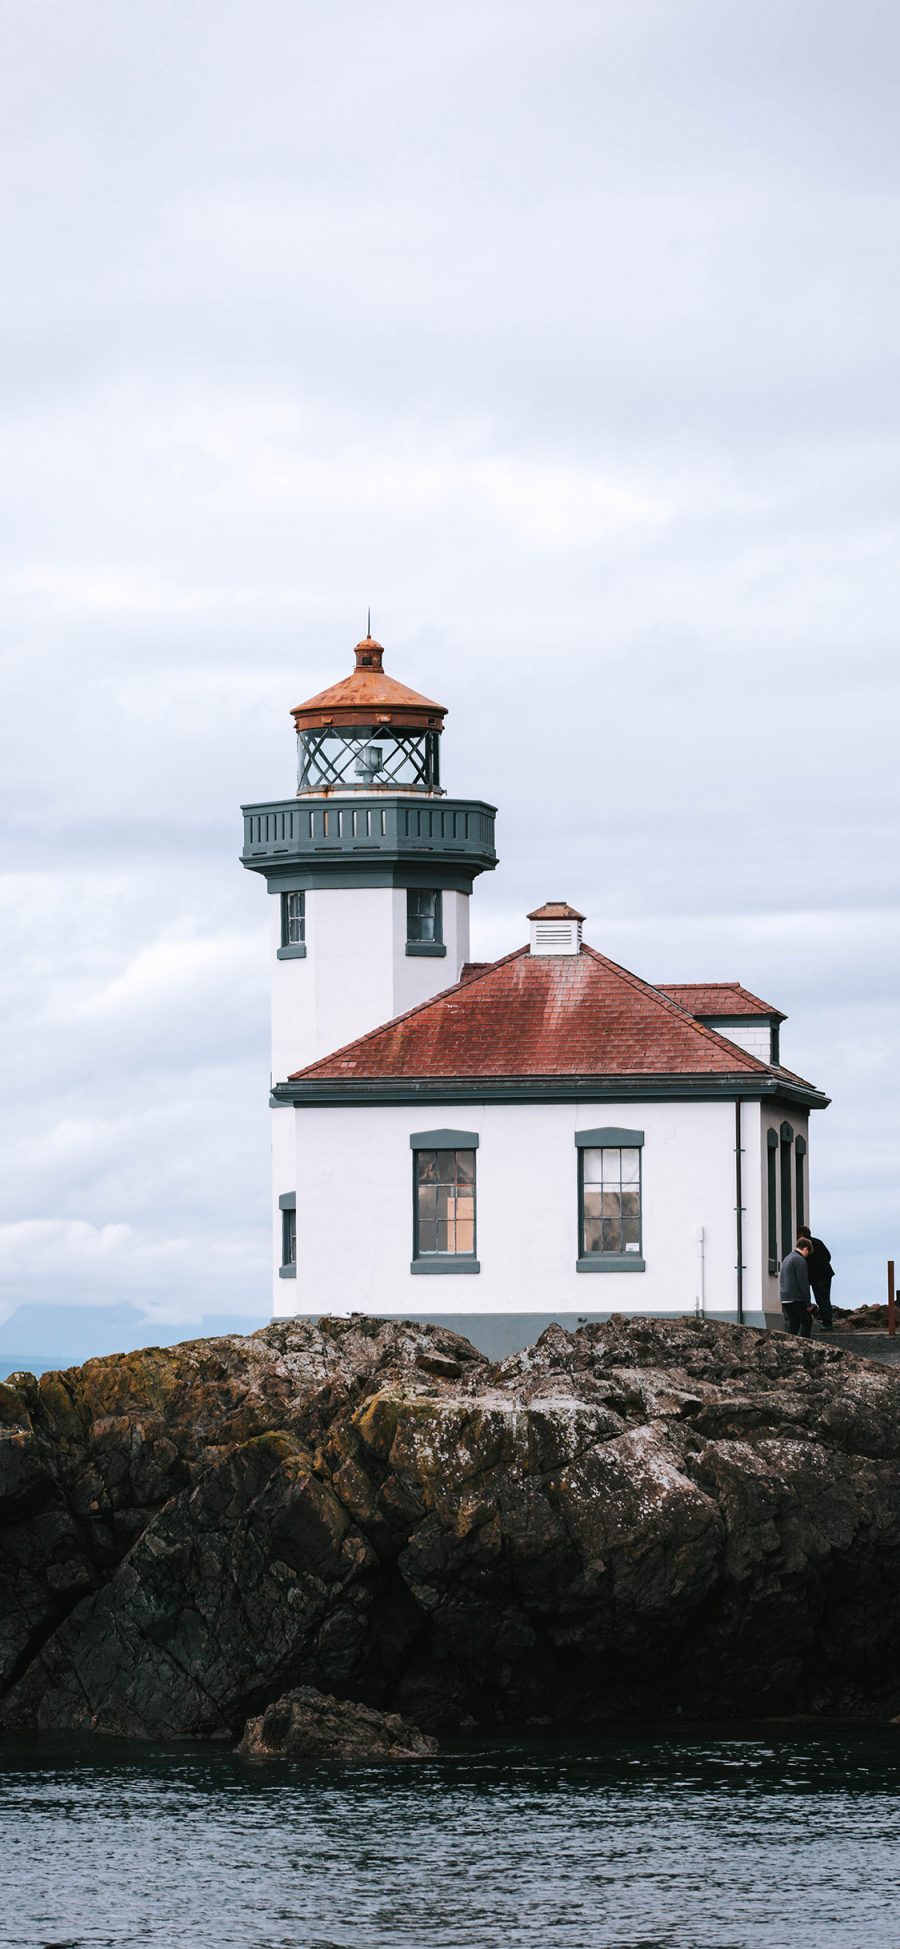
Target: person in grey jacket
x: 793, y: 1289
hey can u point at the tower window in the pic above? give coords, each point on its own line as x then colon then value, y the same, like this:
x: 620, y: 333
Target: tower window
x: 424, y: 921
x: 289, y: 1238
x: 293, y: 924
x: 287, y: 1205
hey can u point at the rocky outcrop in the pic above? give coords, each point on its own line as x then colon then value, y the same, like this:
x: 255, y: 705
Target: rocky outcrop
x: 638, y: 1518
x: 306, y: 1725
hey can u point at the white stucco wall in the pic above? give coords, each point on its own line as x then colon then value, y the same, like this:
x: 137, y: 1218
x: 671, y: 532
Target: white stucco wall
x: 418, y: 977
x: 353, y: 1174
x: 356, y: 973
x: 284, y: 1177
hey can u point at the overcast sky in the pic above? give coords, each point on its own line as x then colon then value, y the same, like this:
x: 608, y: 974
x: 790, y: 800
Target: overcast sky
x: 567, y: 336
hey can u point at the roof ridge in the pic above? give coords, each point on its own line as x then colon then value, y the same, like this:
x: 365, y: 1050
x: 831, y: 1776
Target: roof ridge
x: 764, y: 1007
x: 407, y: 1013
x: 707, y: 984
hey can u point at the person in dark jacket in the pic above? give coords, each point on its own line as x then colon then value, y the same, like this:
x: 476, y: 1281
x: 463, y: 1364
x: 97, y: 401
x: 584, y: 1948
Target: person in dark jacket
x: 821, y: 1273
x: 793, y: 1289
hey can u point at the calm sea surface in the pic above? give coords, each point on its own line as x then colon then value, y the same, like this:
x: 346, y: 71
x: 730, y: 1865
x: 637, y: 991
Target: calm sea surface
x: 776, y: 1840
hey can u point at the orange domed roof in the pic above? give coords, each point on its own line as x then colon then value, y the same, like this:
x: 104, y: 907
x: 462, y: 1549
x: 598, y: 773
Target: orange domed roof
x: 369, y: 698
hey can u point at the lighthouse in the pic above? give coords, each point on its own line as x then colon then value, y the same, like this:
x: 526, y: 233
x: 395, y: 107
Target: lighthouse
x: 494, y: 1146
x: 370, y: 867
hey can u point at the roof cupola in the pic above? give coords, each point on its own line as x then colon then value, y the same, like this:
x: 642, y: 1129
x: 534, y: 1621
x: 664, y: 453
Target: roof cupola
x: 556, y: 928
x: 368, y: 733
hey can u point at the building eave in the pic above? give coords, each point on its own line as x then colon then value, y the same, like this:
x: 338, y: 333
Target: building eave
x: 331, y: 1092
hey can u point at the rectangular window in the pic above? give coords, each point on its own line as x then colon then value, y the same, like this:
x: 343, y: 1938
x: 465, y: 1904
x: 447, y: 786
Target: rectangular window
x: 799, y: 1156
x: 610, y: 1202
x: 287, y: 1205
x: 293, y: 919
x: 444, y: 1193
x: 786, y: 1147
x: 289, y: 1238
x: 772, y: 1197
x: 423, y: 917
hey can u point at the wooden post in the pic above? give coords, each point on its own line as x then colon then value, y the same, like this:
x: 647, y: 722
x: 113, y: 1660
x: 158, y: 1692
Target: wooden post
x: 892, y: 1300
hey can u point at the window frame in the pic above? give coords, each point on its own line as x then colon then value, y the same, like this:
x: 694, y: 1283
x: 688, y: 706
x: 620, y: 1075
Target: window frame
x: 287, y: 1206
x: 292, y: 950
x: 772, y: 1197
x: 800, y: 1181
x: 786, y: 1172
x: 437, y: 946
x: 443, y: 1262
x: 609, y: 1137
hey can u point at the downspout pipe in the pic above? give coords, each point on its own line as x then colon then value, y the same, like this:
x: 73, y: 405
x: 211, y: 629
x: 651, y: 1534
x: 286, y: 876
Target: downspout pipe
x: 739, y: 1209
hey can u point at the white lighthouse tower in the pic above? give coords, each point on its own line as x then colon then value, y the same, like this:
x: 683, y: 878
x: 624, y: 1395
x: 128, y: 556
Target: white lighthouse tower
x: 371, y: 868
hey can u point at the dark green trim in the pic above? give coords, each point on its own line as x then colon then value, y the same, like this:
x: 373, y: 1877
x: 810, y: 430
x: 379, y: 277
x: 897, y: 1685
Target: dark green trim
x: 799, y: 1184
x: 772, y: 1016
x: 296, y: 952
x: 498, y: 1334
x: 378, y: 838
x: 608, y: 1261
x: 772, y: 1197
x: 287, y: 1206
x: 436, y: 949
x: 457, y: 1262
x: 611, y: 1136
x: 543, y: 1089
x: 787, y: 1189
x: 450, y: 876
x: 611, y: 1262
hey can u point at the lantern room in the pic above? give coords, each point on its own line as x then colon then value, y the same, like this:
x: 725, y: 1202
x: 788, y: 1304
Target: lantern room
x: 368, y: 733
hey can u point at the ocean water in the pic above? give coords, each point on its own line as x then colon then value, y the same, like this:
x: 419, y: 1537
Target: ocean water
x: 773, y: 1839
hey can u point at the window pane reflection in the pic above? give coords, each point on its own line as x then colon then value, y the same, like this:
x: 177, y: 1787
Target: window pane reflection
x: 611, y: 1200
x: 445, y: 1203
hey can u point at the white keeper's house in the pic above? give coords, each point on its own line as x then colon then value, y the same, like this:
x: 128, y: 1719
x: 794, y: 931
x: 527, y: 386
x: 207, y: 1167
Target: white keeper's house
x: 494, y: 1144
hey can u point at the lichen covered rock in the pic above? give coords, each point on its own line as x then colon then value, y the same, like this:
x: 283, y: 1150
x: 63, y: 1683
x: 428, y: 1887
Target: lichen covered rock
x: 638, y: 1518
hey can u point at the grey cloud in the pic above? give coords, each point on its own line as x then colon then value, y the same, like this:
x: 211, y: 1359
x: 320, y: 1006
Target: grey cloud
x: 568, y: 338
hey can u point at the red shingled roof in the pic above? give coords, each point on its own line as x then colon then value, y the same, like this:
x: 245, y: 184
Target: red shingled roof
x: 723, y: 998
x: 556, y: 910
x: 542, y: 1015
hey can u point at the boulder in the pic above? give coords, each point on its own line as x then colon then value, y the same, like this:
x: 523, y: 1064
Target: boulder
x: 308, y: 1725
x: 642, y: 1518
